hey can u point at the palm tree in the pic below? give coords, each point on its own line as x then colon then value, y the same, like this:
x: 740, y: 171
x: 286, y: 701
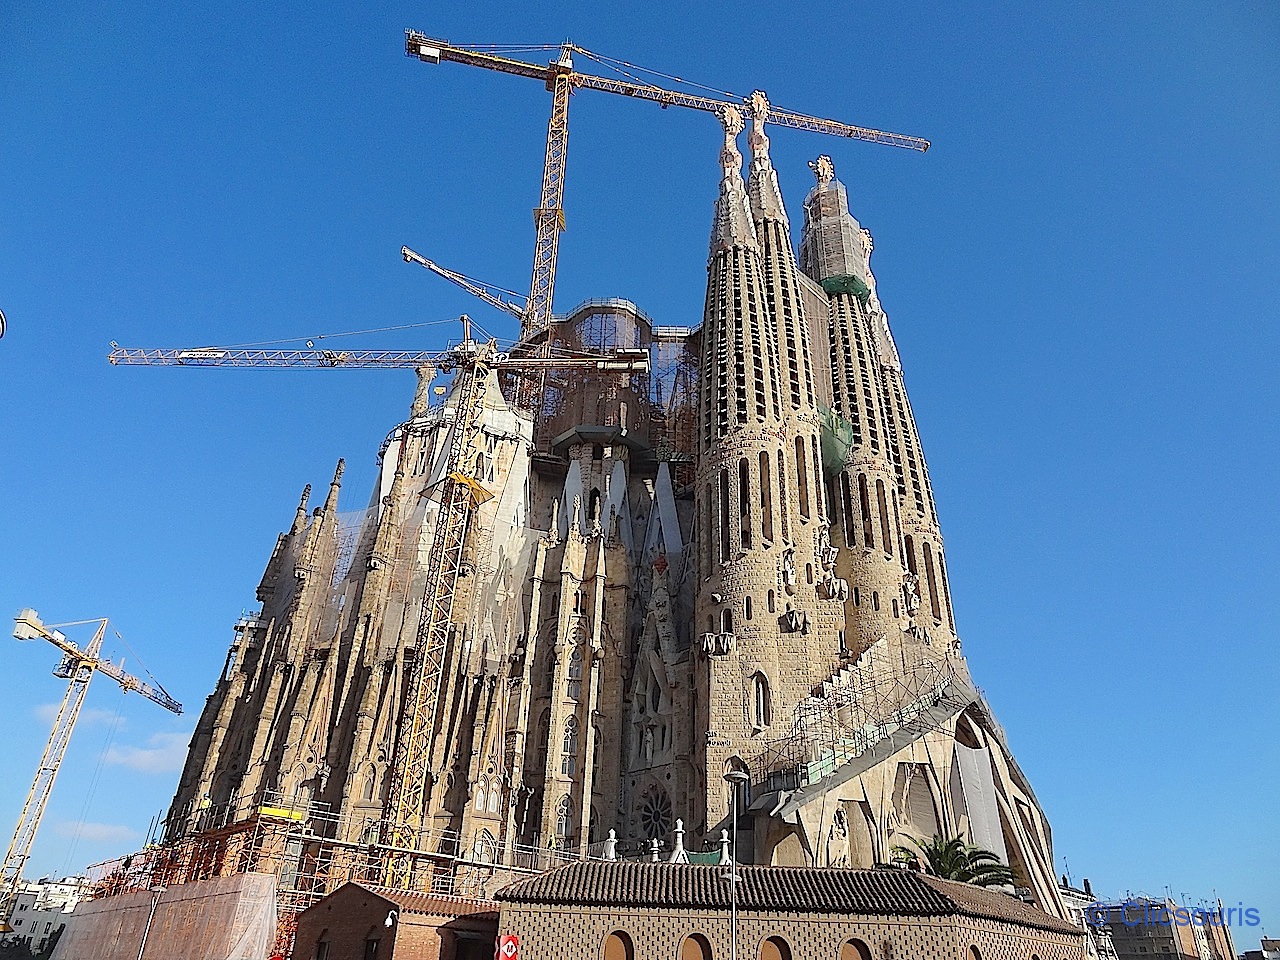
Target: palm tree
x: 952, y: 859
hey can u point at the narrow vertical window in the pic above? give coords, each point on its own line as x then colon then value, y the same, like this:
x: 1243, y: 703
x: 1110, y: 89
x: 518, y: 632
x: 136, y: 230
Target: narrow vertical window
x: 848, y: 523
x: 784, y: 511
x: 802, y: 478
x: 934, y: 605
x: 575, y: 674
x: 724, y: 516
x: 819, y: 495
x: 864, y: 503
x: 564, y: 818
x: 569, y: 748
x: 746, y: 607
x: 762, y: 708
x: 910, y: 547
x: 744, y: 503
x: 709, y: 533
x: 770, y: 603
x: 766, y: 499
x: 886, y: 538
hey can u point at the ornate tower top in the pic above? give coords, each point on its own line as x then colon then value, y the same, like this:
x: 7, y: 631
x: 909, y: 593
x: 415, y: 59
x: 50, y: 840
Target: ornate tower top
x: 732, y: 226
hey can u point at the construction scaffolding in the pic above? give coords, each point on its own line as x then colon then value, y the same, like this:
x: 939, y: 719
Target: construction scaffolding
x: 890, y: 695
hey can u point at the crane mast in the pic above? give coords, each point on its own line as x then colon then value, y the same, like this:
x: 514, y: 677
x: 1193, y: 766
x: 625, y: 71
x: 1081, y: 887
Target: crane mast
x: 561, y: 79
x: 78, y: 666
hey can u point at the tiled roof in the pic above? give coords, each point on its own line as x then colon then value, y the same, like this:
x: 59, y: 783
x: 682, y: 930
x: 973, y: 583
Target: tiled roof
x: 811, y: 890
x: 431, y: 903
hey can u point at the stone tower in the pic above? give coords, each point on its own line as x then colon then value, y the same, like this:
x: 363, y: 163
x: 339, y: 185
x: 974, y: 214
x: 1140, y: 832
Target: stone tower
x: 733, y: 562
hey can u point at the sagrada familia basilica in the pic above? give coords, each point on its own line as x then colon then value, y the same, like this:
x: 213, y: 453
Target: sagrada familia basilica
x: 730, y: 563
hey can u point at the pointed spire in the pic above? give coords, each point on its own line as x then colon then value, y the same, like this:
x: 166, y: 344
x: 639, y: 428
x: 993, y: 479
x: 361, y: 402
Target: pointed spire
x: 331, y: 501
x: 763, y: 190
x: 732, y: 226
x: 300, y: 518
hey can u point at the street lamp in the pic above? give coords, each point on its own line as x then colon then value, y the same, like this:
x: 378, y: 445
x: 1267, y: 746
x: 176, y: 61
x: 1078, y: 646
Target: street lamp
x: 736, y: 780
x: 155, y: 902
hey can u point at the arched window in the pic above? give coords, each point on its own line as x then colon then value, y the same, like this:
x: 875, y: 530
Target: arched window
x: 695, y: 947
x: 762, y: 708
x: 846, y: 510
x: 726, y: 620
x: 864, y: 503
x: 569, y: 748
x: 495, y: 798
x: 618, y: 946
x: 802, y: 477
x: 370, y: 781
x: 322, y: 945
x: 783, y: 513
x: 485, y: 849
x: 481, y: 795
x: 771, y: 602
x: 724, y: 515
x: 575, y: 673
x: 886, y: 538
x: 935, y: 605
x: 744, y: 502
x: 766, y: 498
x: 593, y: 505
x: 775, y: 948
x: 855, y: 949
x: 974, y: 953
x: 541, y: 745
x: 564, y: 818
x: 746, y: 607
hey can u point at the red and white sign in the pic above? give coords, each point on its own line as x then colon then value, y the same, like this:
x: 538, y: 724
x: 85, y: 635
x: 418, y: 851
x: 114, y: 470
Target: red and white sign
x: 508, y: 948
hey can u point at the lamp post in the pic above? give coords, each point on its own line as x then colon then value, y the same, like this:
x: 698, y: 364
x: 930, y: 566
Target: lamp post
x: 155, y: 902
x: 736, y: 780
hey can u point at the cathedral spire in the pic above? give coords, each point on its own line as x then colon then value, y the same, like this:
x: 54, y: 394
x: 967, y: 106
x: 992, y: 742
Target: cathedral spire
x: 331, y: 501
x: 300, y: 518
x: 732, y: 226
x: 765, y: 195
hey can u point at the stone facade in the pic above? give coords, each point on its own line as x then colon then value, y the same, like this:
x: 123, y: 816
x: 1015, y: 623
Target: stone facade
x: 732, y: 563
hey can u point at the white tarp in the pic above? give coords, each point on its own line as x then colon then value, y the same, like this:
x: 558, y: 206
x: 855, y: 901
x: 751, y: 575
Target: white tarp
x: 979, y: 789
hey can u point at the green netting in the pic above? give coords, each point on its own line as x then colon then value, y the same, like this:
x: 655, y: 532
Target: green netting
x: 848, y: 283
x: 712, y: 857
x: 836, y: 436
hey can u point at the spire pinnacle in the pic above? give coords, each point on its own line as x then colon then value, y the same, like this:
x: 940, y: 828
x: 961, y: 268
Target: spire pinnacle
x: 331, y: 501
x: 300, y: 518
x: 766, y: 196
x: 732, y: 225
x: 422, y: 395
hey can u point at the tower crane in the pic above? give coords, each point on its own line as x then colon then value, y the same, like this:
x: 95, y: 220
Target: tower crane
x: 561, y: 79
x: 77, y: 666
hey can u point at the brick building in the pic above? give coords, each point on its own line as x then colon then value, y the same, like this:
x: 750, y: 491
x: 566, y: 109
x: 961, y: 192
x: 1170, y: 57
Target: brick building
x: 358, y: 922
x: 628, y: 910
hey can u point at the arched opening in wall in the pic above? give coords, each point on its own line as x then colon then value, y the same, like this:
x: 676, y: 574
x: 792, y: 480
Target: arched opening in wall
x: 819, y: 494
x: 802, y: 478
x: 370, y: 782
x: 726, y: 620
x: 744, y: 503
x: 593, y: 826
x: 575, y: 674
x: 864, y: 502
x: 761, y: 701
x: 766, y: 499
x: 708, y: 532
x: 593, y: 506
x: 540, y: 745
x: 564, y: 821
x: 946, y: 592
x: 784, y: 513
x: 846, y: 510
x: 775, y: 948
x: 911, y: 555
x: 322, y: 945
x: 886, y: 538
x: 746, y: 607
x: 855, y: 949
x: 808, y: 573
x: 485, y: 848
x: 482, y: 795
x: 495, y: 797
x: 618, y: 946
x: 724, y: 515
x: 569, y: 748
x: 857, y: 597
x: 974, y: 953
x: 695, y: 947
x: 934, y: 605
x: 875, y: 599
x: 771, y: 602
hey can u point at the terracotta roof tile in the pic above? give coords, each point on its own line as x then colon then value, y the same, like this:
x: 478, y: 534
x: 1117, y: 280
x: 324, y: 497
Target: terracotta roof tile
x: 436, y: 904
x: 806, y: 889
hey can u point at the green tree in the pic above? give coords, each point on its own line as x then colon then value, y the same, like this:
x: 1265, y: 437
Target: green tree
x: 952, y: 859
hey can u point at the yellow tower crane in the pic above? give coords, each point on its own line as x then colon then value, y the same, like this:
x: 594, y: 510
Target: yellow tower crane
x: 77, y: 666
x: 562, y: 78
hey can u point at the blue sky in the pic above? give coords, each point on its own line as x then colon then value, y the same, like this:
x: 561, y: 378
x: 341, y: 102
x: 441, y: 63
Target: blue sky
x: 1080, y: 275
